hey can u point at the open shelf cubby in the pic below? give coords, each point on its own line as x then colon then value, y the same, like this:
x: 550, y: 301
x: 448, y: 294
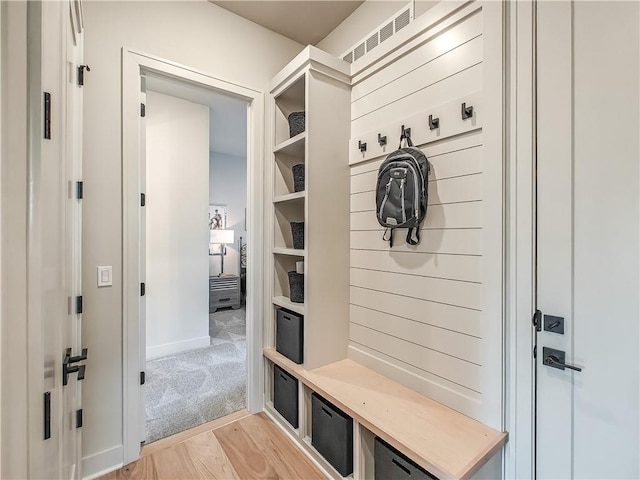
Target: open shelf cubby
x: 291, y: 153
x: 283, y: 264
x: 285, y: 213
x: 292, y: 99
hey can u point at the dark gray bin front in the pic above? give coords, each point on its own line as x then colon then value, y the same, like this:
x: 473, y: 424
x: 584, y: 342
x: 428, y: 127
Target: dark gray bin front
x: 390, y: 464
x: 290, y: 335
x: 332, y: 434
x: 285, y: 395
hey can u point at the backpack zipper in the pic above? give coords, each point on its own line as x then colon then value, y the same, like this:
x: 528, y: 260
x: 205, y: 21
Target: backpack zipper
x: 416, y: 200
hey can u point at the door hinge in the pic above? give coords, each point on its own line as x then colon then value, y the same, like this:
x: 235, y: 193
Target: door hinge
x: 143, y: 378
x: 80, y: 190
x: 79, y: 418
x: 81, y: 70
x: 47, y: 415
x: 79, y: 304
x: 537, y: 320
x: 47, y: 115
x: 143, y: 199
x: 143, y: 110
x: 535, y: 351
x: 143, y: 289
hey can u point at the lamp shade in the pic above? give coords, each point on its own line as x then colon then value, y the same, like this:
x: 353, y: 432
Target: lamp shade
x: 221, y: 236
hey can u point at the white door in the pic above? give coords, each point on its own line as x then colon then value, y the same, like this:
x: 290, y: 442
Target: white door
x: 588, y: 157
x: 54, y: 312
x: 142, y: 354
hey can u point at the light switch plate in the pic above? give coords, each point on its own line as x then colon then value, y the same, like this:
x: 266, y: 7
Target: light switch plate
x: 105, y: 276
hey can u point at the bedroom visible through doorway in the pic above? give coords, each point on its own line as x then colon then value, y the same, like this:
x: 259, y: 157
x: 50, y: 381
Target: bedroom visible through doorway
x: 193, y: 254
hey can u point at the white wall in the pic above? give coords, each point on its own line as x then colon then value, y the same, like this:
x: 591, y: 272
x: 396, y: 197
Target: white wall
x: 177, y: 294
x: 228, y: 186
x: 197, y: 34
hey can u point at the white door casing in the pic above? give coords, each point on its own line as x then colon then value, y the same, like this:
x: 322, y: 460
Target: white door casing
x: 134, y: 65
x: 587, y: 238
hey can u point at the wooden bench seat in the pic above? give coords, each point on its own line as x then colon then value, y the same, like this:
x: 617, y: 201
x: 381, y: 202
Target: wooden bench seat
x: 441, y: 440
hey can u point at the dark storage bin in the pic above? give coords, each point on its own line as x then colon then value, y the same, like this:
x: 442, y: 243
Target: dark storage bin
x: 296, y: 123
x: 285, y: 395
x: 298, y: 177
x: 297, y: 233
x: 296, y: 287
x: 289, y: 334
x: 390, y: 464
x: 332, y: 434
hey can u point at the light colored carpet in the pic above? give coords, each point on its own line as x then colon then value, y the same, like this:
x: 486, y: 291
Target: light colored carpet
x: 191, y: 388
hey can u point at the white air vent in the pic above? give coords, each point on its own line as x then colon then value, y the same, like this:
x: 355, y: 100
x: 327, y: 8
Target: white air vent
x: 385, y: 31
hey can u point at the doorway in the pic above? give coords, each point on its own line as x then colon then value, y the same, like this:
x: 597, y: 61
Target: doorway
x: 192, y: 224
x: 142, y: 70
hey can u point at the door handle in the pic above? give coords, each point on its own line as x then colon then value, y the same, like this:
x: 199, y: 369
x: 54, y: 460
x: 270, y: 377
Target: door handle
x: 555, y: 359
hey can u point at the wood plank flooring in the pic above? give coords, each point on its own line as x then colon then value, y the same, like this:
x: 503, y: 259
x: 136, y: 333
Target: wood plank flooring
x: 240, y: 446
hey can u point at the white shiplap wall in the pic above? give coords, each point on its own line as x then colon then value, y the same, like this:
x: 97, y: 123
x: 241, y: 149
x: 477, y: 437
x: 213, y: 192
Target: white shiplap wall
x: 429, y: 316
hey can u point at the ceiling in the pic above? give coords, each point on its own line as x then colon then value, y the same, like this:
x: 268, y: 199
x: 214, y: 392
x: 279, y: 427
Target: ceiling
x: 306, y: 22
x: 227, y: 114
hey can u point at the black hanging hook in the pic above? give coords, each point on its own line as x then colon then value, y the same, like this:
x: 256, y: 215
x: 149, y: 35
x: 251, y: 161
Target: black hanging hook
x: 382, y: 140
x: 434, y: 122
x: 467, y: 112
x: 362, y: 146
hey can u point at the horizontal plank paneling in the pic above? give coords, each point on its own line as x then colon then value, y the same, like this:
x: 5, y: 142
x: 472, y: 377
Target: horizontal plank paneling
x: 446, y: 146
x: 457, y: 319
x: 446, y: 341
x: 453, y: 215
x: 450, y: 292
x: 465, y: 241
x: 467, y: 188
x: 453, y: 369
x: 450, y: 88
x: 440, y: 44
x: 452, y: 267
x: 406, y: 84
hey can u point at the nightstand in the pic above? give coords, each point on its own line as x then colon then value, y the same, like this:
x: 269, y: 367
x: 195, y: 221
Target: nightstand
x: 224, y: 291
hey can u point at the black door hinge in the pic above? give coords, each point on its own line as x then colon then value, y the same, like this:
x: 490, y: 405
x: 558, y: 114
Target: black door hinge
x: 47, y: 115
x: 81, y: 70
x: 80, y: 190
x: 143, y: 378
x: 143, y: 199
x: 143, y: 289
x: 47, y: 415
x: 79, y: 418
x: 143, y: 110
x: 79, y: 304
x: 535, y: 351
x: 537, y: 320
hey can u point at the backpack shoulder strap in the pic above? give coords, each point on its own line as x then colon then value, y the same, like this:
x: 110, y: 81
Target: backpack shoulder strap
x: 410, y: 233
x: 390, y: 239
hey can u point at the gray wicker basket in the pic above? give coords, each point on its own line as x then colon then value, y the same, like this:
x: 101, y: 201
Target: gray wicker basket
x: 297, y: 232
x: 298, y: 177
x: 296, y: 287
x: 296, y: 123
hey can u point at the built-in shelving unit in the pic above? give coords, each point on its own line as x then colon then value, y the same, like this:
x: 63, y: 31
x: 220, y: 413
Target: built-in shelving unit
x: 319, y: 85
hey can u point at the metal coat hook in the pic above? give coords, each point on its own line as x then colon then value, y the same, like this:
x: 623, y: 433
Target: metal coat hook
x: 405, y: 132
x: 467, y: 112
x: 433, y: 122
x: 382, y: 140
x: 362, y: 146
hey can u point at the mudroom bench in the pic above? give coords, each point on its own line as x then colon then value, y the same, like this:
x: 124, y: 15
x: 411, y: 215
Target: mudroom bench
x: 440, y: 440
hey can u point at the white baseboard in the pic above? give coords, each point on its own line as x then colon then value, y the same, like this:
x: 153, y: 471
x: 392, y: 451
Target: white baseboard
x: 102, y: 463
x: 176, y: 347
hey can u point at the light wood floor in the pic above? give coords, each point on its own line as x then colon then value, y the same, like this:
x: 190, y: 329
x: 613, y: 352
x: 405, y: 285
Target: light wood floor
x: 240, y: 446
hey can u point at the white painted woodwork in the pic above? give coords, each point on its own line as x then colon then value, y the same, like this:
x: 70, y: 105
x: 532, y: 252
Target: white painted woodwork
x: 318, y: 84
x: 441, y: 440
x: 429, y: 316
x: 587, y: 255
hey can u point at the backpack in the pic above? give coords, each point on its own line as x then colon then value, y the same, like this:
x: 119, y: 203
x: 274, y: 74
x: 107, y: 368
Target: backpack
x: 401, y: 191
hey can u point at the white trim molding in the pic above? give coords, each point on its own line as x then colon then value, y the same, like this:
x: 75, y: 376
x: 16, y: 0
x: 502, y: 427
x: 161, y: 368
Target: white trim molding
x: 133, y: 65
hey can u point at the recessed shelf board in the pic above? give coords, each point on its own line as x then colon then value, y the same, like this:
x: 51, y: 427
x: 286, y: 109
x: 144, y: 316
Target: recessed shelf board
x: 293, y: 147
x: 284, y: 302
x: 290, y: 251
x: 290, y: 197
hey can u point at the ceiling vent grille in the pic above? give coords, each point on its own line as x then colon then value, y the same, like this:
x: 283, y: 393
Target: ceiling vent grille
x: 387, y: 30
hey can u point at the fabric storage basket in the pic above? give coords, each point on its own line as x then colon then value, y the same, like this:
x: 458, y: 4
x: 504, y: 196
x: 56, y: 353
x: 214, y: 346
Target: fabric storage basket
x: 390, y: 463
x: 298, y: 177
x: 332, y: 434
x: 297, y: 232
x: 285, y: 395
x: 296, y: 123
x: 296, y: 287
x: 290, y: 335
